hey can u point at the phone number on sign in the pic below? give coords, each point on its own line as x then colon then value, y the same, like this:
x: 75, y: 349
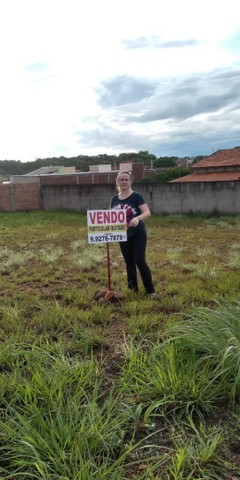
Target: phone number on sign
x: 106, y: 238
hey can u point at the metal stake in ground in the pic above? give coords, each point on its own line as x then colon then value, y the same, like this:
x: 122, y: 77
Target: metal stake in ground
x: 107, y: 294
x: 108, y: 267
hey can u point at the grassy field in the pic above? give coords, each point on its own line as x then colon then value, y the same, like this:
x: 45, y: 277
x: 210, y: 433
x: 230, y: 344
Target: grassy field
x: 143, y: 389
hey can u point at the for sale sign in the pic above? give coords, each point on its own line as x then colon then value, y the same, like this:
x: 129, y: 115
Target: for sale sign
x: 106, y: 226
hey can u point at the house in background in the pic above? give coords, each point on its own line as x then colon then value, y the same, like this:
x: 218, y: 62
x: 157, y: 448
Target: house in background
x: 221, y: 166
x: 100, y: 168
x: 52, y: 170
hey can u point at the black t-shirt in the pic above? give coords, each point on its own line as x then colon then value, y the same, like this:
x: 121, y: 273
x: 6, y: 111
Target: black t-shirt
x: 131, y: 204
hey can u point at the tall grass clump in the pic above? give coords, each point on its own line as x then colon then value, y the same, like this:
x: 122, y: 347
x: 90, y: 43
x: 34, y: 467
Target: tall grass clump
x: 234, y: 259
x: 196, y: 453
x: 9, y: 258
x: 51, y: 254
x: 195, y: 368
x: 59, y: 423
x: 88, y: 258
x: 214, y: 334
x: 80, y: 440
x: 169, y: 379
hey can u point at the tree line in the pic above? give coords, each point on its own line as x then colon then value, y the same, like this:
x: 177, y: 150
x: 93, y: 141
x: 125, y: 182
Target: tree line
x: 82, y: 162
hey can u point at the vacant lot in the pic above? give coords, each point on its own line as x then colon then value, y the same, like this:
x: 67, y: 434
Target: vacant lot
x: 138, y: 389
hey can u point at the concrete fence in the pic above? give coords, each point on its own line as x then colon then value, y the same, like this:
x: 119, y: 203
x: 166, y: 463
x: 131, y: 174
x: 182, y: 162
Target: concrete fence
x: 206, y: 198
x: 175, y: 198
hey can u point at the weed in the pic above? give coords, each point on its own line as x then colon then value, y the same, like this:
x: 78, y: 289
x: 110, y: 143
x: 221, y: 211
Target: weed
x: 51, y: 254
x: 215, y: 335
x: 234, y: 260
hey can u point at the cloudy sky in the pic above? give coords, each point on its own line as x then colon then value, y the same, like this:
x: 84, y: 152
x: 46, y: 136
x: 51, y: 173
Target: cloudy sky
x: 110, y: 76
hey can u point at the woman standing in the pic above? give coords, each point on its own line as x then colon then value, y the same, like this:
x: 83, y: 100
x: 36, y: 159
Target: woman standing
x: 134, y: 249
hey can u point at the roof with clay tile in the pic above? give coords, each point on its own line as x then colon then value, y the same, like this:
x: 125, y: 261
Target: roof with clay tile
x: 221, y: 158
x: 209, y: 177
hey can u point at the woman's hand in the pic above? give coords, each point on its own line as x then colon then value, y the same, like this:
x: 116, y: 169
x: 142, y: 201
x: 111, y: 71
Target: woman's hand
x: 134, y: 222
x: 145, y: 213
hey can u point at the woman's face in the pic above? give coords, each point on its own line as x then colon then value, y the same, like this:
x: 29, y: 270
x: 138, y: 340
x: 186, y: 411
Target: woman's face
x: 124, y: 181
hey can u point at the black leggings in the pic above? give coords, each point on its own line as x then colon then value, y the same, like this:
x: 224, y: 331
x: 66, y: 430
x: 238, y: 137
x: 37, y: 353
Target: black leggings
x: 134, y: 254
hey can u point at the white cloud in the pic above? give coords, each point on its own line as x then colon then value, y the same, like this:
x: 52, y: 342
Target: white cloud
x: 88, y: 77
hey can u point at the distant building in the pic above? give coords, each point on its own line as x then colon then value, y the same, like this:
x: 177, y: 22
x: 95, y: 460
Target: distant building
x: 184, y: 162
x: 65, y: 176
x: 52, y: 170
x: 100, y: 168
x: 221, y: 166
x: 126, y: 166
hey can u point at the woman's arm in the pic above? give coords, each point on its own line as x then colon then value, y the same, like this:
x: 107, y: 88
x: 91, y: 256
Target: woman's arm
x: 145, y: 213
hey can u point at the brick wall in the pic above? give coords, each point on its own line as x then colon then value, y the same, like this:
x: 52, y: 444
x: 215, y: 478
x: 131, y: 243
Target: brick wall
x: 27, y: 197
x: 19, y: 197
x: 80, y: 179
x: 91, y: 178
x: 5, y: 198
x: 137, y: 171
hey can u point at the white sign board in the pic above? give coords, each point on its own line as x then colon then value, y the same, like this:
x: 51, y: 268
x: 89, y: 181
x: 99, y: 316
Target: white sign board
x: 106, y: 226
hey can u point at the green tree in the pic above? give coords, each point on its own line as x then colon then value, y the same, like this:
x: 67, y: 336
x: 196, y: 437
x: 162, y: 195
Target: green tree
x: 167, y: 176
x: 165, y: 162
